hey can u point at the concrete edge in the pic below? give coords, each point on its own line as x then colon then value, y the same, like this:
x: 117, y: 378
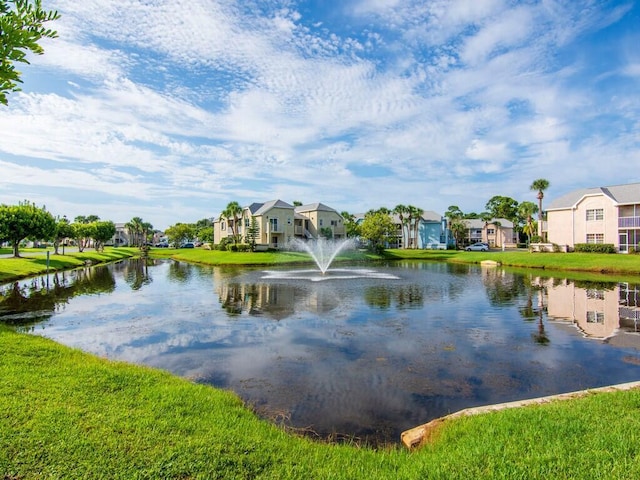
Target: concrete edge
x: 414, y: 437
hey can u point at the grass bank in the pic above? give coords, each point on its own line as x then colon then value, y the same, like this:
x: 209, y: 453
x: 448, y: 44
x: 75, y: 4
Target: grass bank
x: 35, y: 263
x: 620, y: 266
x: 577, y: 262
x: 67, y: 414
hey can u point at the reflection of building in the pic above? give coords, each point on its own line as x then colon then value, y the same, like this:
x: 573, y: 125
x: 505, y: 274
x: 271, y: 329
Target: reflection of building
x: 274, y: 300
x: 599, y: 310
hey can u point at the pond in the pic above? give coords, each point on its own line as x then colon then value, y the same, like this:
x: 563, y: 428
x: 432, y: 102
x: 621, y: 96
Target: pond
x: 363, y: 353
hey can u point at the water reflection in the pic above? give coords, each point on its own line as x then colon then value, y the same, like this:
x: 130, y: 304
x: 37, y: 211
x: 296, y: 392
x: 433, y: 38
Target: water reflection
x: 27, y: 302
x: 367, y: 357
x: 600, y: 310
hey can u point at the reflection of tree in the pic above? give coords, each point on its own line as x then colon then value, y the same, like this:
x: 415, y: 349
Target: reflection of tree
x: 541, y: 335
x: 403, y: 296
x: 31, y: 302
x: 531, y: 313
x: 180, y: 272
x: 137, y: 273
x: 232, y: 299
x: 503, y: 287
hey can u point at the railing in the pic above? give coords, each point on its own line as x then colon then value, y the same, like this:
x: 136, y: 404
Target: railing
x: 629, y: 222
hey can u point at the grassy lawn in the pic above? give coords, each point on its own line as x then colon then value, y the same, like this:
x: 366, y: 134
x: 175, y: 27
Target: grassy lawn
x: 67, y: 414
x: 26, y: 266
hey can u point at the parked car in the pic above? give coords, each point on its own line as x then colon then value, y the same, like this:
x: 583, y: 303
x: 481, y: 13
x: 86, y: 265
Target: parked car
x: 478, y: 247
x: 187, y: 245
x: 162, y: 245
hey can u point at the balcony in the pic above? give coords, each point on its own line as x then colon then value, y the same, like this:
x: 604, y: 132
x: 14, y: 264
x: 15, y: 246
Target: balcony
x: 629, y: 222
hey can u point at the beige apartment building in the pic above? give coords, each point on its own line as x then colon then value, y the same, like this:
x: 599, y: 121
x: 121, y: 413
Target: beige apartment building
x: 597, y: 215
x: 279, y: 223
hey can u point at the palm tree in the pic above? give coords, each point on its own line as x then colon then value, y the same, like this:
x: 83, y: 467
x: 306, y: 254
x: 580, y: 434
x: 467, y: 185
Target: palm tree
x: 233, y: 212
x: 400, y: 210
x: 415, y: 213
x: 134, y: 227
x: 526, y: 211
x: 540, y: 185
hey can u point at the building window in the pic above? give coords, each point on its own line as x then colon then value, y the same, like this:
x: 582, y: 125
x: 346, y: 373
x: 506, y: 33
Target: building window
x: 595, y: 317
x: 595, y: 294
x: 246, y: 222
x: 595, y: 237
x: 491, y: 231
x: 595, y: 214
x: 273, y: 222
x: 334, y: 223
x: 320, y: 222
x: 288, y: 220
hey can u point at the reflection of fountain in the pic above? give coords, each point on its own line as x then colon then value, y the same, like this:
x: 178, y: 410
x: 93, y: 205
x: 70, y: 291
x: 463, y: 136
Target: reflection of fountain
x: 322, y: 251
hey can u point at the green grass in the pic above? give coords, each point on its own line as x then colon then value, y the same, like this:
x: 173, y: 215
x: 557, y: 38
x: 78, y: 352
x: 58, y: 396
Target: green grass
x: 67, y: 414
x: 579, y: 262
x: 15, y: 268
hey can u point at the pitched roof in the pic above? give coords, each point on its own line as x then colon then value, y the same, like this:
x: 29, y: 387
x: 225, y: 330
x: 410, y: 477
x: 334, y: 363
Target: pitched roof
x: 619, y: 194
x: 265, y: 207
x: 312, y: 207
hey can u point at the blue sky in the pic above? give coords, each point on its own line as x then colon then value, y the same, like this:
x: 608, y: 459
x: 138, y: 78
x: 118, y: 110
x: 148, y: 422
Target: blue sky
x: 169, y: 110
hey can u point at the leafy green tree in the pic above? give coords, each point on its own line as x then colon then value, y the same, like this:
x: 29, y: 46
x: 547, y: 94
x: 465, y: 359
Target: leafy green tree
x: 180, y: 233
x: 205, y: 234
x: 378, y: 229
x: 21, y: 28
x: 63, y: 230
x: 502, y: 207
x: 351, y: 226
x: 83, y: 233
x: 25, y: 220
x: 103, y: 232
x: 540, y: 185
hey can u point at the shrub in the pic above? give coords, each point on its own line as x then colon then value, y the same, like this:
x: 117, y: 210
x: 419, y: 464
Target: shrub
x: 244, y: 247
x: 595, y: 248
x: 232, y: 247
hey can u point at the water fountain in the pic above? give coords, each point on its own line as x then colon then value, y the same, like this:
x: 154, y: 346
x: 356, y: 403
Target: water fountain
x: 324, y: 253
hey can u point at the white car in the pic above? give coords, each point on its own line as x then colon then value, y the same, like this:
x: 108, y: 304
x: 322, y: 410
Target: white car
x: 478, y: 247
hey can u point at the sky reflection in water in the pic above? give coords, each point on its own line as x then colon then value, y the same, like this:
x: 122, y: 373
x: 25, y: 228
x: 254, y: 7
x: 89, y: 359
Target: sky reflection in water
x: 364, y: 352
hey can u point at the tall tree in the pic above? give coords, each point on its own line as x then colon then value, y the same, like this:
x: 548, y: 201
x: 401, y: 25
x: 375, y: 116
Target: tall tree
x: 540, y: 185
x: 502, y: 207
x: 457, y: 225
x: 526, y: 210
x: 135, y: 228
x: 351, y: 226
x: 232, y: 213
x: 378, y: 229
x: 63, y: 230
x: 103, y: 232
x: 415, y: 214
x: 401, y: 210
x: 21, y: 28
x: 180, y: 233
x: 25, y: 220
x: 252, y: 233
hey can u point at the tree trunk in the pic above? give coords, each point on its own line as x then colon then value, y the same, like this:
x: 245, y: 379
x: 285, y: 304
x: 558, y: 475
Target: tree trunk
x: 16, y: 252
